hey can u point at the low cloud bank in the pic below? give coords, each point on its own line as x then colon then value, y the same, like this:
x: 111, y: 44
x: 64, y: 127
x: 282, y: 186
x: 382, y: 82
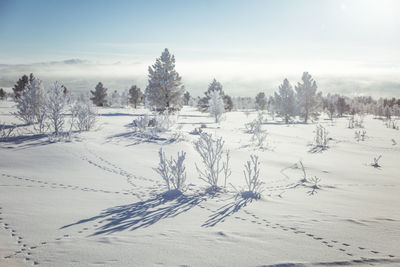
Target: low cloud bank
x: 239, y: 78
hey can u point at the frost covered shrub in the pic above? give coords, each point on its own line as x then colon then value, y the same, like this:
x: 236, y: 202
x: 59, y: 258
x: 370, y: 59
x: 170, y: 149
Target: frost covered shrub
x: 256, y: 123
x: 259, y: 135
x: 356, y: 122
x: 252, y: 178
x: 321, y: 137
x: 216, y: 105
x: 314, y: 185
x: 376, y: 162
x: 165, y: 121
x: 172, y: 171
x: 360, y: 135
x: 141, y: 123
x: 6, y: 131
x: 56, y: 102
x: 211, y: 153
x: 392, y: 124
x: 83, y: 115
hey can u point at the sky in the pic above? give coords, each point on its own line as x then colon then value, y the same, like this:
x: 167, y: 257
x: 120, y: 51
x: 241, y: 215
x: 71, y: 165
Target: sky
x: 250, y: 46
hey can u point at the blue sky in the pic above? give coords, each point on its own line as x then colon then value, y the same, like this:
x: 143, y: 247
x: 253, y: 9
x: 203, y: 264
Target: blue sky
x: 51, y: 30
x: 331, y: 36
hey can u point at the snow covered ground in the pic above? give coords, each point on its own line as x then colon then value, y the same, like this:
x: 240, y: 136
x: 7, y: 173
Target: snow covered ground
x: 96, y: 200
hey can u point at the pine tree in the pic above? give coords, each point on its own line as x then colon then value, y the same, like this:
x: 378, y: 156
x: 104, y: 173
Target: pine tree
x: 342, y: 106
x: 261, y: 101
x: 21, y: 83
x: 3, y: 94
x: 165, y: 90
x: 307, y: 98
x: 216, y: 105
x: 284, y: 101
x: 135, y: 96
x: 99, y: 95
x: 186, y: 98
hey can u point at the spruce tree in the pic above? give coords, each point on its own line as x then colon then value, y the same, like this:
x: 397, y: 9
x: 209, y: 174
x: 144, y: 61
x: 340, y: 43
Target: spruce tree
x: 21, y: 84
x: 307, y: 98
x: 135, y: 96
x: 165, y: 89
x: 99, y: 95
x: 284, y: 101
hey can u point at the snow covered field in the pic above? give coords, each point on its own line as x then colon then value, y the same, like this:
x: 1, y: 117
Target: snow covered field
x: 95, y: 200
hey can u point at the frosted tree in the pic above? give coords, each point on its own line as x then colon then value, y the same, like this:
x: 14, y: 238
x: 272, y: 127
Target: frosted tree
x: 307, y: 98
x: 55, y: 106
x: 284, y: 101
x: 261, y: 101
x: 216, y: 105
x: 135, y: 96
x: 203, y: 103
x: 31, y: 102
x: 99, y: 95
x: 115, y: 99
x: 165, y: 89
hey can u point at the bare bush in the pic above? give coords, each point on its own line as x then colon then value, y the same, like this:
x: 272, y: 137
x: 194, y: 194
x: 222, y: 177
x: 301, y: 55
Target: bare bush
x: 376, y: 162
x: 304, y: 179
x: 172, y: 171
x: 211, y: 152
x: 360, y: 135
x: 321, y: 137
x: 6, y: 131
x: 356, y: 122
x: 392, y: 124
x: 314, y: 185
x: 252, y: 178
x: 84, y: 115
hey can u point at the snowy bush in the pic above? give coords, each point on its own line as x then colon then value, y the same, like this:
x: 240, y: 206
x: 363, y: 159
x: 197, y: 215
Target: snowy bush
x: 314, y: 185
x: 216, y: 105
x: 259, y: 136
x: 172, y: 171
x: 256, y: 123
x: 376, y: 162
x: 6, y: 131
x: 141, y: 123
x: 165, y: 121
x: 84, y: 115
x: 321, y: 137
x: 252, y: 178
x: 360, y: 135
x: 211, y: 153
x: 56, y: 102
x: 356, y: 122
x: 391, y: 124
